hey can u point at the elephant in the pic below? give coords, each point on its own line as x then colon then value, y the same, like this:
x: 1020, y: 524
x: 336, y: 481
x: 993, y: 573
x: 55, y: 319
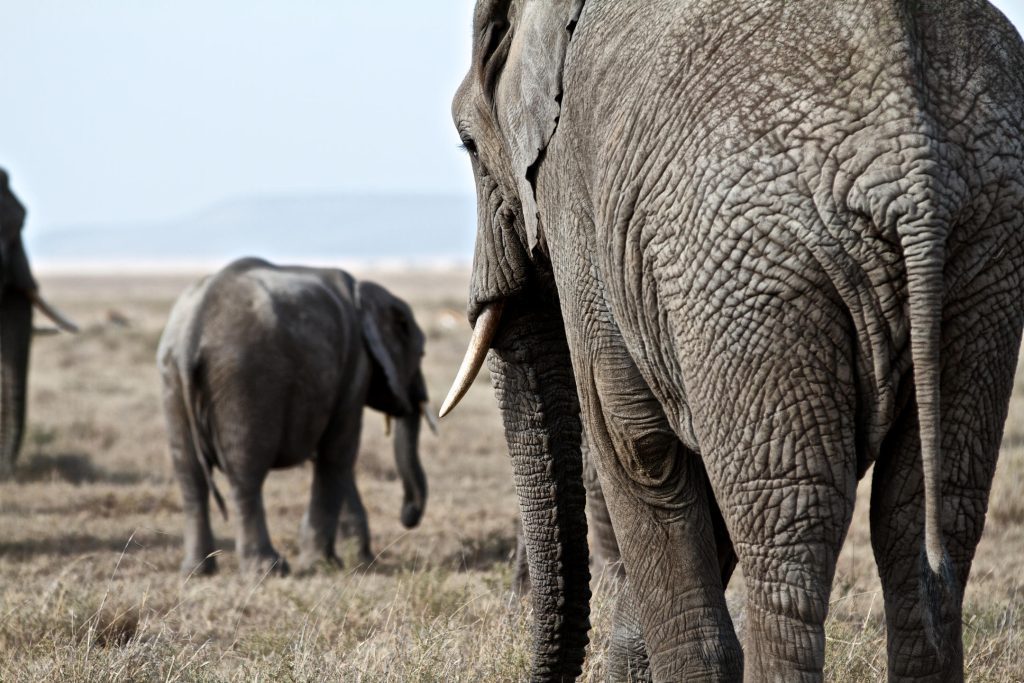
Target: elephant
x: 755, y: 249
x: 267, y: 366
x: 19, y: 292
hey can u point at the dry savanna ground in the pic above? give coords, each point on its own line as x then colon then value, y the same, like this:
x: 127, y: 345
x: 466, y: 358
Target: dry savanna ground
x: 90, y: 536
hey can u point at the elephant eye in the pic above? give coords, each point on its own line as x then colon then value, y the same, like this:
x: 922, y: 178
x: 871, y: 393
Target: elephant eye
x: 469, y: 146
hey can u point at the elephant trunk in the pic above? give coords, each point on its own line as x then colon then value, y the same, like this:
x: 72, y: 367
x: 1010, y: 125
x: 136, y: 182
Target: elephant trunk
x: 536, y: 393
x: 15, y: 339
x: 407, y: 460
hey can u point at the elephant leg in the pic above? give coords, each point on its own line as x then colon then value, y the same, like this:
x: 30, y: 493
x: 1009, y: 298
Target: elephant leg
x: 350, y: 525
x: 355, y: 519
x: 195, y: 489
x: 195, y: 493
x: 976, y: 384
x: 777, y: 428
x: 627, y: 652
x: 333, y: 481
x: 606, y: 561
x: 655, y: 491
x: 257, y: 554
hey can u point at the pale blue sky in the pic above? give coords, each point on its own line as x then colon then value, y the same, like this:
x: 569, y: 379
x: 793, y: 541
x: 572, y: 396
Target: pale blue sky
x: 124, y: 110
x: 147, y: 110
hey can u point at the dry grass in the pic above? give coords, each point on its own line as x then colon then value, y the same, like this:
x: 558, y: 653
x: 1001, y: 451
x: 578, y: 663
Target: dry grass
x: 90, y: 537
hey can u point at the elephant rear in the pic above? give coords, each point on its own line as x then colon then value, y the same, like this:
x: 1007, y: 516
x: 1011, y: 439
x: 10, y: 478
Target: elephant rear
x: 262, y: 349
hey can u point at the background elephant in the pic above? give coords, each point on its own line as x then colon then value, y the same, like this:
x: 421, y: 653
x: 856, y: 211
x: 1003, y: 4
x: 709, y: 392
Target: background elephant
x: 18, y: 293
x: 751, y: 242
x: 265, y: 367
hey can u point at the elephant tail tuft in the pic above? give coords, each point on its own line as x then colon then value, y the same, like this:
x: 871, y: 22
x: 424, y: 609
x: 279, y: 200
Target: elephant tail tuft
x: 200, y: 435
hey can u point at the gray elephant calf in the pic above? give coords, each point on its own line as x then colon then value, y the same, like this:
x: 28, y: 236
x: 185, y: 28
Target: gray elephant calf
x: 265, y: 367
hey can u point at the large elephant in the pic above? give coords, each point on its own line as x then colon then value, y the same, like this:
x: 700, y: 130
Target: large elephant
x: 18, y: 294
x: 266, y: 367
x: 751, y: 241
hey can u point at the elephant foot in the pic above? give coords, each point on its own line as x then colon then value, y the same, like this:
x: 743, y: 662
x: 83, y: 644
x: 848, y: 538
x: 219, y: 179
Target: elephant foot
x: 365, y: 559
x: 266, y: 565
x: 202, y: 566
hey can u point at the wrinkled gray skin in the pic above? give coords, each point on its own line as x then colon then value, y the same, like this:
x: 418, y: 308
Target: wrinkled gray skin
x: 761, y: 245
x: 16, y: 282
x: 604, y: 558
x: 628, y: 659
x: 265, y: 367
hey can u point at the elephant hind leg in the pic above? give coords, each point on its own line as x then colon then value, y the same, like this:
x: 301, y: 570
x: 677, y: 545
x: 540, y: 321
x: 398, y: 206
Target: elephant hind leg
x: 257, y: 554
x: 195, y: 489
x: 976, y: 384
x: 199, y: 544
x: 777, y: 428
x: 788, y: 535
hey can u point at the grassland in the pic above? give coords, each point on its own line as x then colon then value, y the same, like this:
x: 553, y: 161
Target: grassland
x: 90, y: 536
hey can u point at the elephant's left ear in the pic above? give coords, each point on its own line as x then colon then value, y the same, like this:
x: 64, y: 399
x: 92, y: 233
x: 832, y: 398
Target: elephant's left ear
x: 528, y: 93
x: 395, y: 344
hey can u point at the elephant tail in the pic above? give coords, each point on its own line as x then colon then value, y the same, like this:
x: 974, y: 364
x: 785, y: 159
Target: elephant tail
x: 923, y: 243
x: 197, y: 428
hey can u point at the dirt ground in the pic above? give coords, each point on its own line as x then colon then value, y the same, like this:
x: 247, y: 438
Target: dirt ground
x: 90, y: 535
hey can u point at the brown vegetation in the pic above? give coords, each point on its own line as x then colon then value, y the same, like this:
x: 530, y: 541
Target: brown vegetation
x: 90, y: 536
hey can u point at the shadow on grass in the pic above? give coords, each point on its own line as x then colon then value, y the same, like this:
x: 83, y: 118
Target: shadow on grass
x: 476, y: 554
x: 74, y: 468
x: 71, y: 544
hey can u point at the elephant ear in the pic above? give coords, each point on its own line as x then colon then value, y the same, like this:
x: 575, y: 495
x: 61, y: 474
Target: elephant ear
x: 395, y: 344
x: 521, y: 48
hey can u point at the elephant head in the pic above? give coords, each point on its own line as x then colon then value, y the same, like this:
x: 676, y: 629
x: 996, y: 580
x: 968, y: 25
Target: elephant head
x: 18, y: 293
x: 397, y: 388
x: 506, y: 112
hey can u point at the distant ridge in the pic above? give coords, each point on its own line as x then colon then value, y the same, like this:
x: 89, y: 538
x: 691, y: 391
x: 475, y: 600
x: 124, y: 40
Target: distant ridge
x: 354, y: 228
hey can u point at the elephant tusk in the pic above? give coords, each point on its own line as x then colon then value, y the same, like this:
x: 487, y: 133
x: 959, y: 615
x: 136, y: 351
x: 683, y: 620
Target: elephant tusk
x: 387, y: 425
x: 483, y: 334
x: 429, y: 417
x: 62, y: 321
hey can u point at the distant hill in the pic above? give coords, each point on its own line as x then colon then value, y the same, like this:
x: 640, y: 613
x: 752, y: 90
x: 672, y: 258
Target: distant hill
x: 369, y: 228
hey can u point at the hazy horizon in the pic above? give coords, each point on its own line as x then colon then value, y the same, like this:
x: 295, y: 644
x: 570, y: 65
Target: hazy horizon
x: 352, y: 228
